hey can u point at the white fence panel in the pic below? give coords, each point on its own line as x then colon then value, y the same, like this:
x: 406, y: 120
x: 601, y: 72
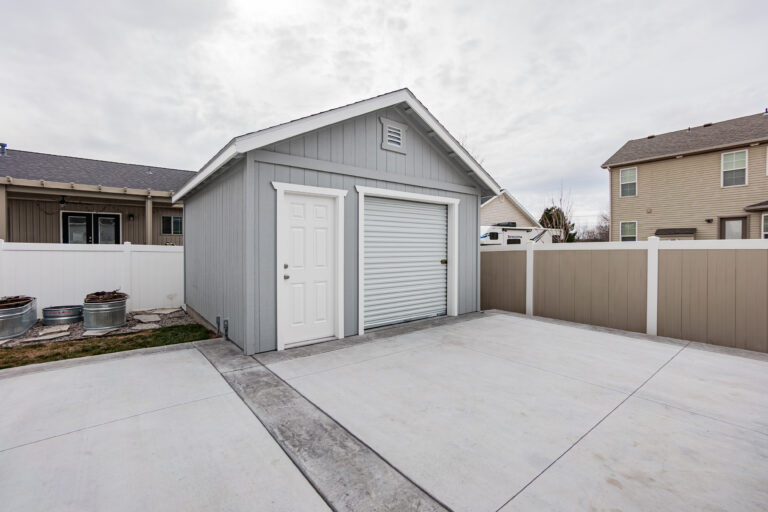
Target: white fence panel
x: 62, y: 274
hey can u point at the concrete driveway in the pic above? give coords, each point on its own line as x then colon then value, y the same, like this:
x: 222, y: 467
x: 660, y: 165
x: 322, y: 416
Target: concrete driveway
x: 140, y: 431
x: 510, y: 413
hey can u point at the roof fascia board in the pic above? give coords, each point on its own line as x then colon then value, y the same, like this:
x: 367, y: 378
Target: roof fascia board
x: 669, y: 156
x: 256, y: 140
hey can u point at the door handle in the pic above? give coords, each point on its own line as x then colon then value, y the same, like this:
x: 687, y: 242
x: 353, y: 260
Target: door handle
x: 286, y: 276
x: 443, y: 262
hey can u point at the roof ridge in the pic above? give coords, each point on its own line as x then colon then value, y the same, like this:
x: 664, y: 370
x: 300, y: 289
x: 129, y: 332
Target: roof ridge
x: 698, y: 127
x: 13, y: 150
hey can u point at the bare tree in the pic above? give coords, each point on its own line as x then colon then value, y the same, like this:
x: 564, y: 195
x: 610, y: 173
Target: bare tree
x: 599, y: 233
x: 559, y: 216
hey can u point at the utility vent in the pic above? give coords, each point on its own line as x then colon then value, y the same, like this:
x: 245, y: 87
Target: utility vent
x: 393, y: 135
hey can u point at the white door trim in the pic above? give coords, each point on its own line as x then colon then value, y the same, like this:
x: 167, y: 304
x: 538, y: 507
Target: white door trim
x: 453, y: 245
x: 281, y: 225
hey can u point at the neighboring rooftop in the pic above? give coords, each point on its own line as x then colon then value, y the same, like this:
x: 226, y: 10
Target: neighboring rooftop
x: 699, y: 139
x: 84, y: 171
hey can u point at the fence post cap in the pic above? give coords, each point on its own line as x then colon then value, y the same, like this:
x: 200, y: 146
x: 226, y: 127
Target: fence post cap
x: 126, y: 243
x: 653, y: 239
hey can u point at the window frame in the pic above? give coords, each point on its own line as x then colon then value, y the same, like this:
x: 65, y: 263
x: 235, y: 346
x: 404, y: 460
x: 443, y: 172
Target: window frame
x: 621, y: 194
x: 764, y: 226
x: 723, y: 171
x: 163, y: 233
x: 621, y: 236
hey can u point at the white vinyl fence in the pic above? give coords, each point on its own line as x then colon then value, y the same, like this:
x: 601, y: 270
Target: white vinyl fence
x: 63, y: 274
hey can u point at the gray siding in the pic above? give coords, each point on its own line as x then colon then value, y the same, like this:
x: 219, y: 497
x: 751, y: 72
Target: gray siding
x: 231, y: 227
x: 215, y: 251
x: 357, y: 142
x: 267, y: 239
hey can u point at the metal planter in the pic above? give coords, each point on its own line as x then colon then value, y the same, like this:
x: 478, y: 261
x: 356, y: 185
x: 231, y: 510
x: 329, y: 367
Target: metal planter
x: 104, y: 315
x: 60, y: 315
x: 16, y: 321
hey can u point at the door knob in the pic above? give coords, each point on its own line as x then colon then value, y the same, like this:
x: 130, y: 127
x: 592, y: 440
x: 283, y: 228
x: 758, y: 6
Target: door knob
x: 286, y: 276
x: 285, y: 265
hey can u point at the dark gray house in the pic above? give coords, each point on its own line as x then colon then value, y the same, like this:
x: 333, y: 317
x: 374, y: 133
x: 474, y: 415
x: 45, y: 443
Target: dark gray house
x: 323, y: 227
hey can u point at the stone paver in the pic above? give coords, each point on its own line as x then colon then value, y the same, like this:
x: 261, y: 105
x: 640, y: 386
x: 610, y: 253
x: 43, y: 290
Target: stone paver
x: 145, y: 327
x: 147, y: 318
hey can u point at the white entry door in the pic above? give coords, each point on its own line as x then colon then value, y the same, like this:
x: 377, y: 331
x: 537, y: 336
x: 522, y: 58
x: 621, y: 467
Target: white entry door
x: 308, y: 272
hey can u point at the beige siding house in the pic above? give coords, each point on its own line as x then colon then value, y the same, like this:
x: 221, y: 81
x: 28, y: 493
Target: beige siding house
x: 60, y: 199
x: 505, y: 208
x: 700, y: 183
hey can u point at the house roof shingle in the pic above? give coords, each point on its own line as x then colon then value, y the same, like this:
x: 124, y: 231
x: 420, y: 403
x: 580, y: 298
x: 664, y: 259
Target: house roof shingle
x: 84, y: 171
x: 709, y: 137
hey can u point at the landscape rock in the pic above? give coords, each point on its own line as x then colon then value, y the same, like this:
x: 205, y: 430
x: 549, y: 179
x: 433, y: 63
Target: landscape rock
x: 145, y: 327
x: 44, y: 337
x: 165, y: 311
x: 54, y: 328
x: 145, y: 319
x: 97, y: 332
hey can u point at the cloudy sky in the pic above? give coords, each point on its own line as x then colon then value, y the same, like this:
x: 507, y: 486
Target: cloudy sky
x: 542, y: 92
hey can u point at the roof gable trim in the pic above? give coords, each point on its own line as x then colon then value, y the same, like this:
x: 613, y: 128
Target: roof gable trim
x: 256, y: 140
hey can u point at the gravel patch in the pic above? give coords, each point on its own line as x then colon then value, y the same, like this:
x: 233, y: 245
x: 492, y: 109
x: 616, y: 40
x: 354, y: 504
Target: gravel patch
x: 40, y: 333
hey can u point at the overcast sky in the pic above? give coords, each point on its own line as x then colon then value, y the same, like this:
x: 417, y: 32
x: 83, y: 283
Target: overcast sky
x: 541, y: 92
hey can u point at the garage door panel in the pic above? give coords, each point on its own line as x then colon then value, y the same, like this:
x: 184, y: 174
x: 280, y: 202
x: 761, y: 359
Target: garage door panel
x: 404, y: 244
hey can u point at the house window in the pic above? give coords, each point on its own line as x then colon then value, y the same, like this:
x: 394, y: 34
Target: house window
x: 393, y: 135
x: 629, y: 231
x: 765, y: 225
x: 733, y: 228
x: 734, y: 168
x: 628, y: 178
x: 172, y: 225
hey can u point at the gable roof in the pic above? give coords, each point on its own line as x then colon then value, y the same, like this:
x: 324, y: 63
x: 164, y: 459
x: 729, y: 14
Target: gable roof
x: 84, y: 171
x: 700, y: 139
x: 254, y: 140
x: 518, y: 204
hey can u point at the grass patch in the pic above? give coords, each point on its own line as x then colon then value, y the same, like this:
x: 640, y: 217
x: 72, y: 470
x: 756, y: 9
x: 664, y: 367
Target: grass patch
x: 58, y: 350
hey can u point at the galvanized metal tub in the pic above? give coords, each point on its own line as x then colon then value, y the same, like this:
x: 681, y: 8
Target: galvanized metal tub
x: 104, y: 315
x: 59, y: 315
x: 16, y: 321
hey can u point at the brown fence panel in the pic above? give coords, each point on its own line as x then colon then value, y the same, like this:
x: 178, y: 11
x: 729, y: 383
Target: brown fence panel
x: 605, y: 288
x: 502, y: 284
x: 717, y: 296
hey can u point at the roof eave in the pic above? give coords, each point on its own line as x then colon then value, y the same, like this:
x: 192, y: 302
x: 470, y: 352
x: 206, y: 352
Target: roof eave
x: 255, y: 140
x: 709, y: 149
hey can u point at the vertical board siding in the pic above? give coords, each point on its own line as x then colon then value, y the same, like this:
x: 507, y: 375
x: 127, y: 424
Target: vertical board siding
x: 503, y: 281
x: 357, y: 142
x: 717, y: 296
x: 214, y: 260
x: 266, y: 263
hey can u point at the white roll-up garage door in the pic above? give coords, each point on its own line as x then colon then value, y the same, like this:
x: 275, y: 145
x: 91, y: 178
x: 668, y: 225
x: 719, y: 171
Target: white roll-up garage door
x: 405, y: 253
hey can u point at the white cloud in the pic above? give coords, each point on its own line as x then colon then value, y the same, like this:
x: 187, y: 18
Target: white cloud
x: 543, y: 92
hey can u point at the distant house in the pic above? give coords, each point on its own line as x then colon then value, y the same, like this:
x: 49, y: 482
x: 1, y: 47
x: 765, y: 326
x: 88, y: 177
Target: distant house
x: 505, y: 221
x: 61, y: 199
x: 705, y: 182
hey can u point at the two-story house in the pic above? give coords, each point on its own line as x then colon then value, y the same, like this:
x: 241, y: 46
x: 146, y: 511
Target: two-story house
x: 700, y: 183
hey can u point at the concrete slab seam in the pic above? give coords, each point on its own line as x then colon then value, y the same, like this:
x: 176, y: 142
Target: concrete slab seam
x: 116, y: 420
x: 272, y: 434
x: 342, y: 427
x: 592, y: 428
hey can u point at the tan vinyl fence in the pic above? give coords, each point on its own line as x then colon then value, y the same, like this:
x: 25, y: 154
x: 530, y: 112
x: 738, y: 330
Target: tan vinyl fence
x: 709, y: 291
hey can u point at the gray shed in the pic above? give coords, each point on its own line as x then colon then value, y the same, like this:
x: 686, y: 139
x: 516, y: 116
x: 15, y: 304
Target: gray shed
x: 326, y: 226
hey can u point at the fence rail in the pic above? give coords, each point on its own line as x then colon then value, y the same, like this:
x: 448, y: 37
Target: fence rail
x: 62, y: 274
x: 710, y: 291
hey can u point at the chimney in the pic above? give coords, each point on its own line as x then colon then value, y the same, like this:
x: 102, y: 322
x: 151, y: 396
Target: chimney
x: 3, y: 145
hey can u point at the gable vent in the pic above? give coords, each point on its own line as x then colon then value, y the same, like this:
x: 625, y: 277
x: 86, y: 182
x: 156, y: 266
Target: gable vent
x: 394, y: 136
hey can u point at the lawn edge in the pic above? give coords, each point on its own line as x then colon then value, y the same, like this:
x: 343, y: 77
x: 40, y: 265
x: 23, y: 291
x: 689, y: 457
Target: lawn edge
x: 78, y: 361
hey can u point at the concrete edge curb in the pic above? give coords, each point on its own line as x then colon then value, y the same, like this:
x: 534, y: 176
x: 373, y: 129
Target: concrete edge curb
x: 78, y: 361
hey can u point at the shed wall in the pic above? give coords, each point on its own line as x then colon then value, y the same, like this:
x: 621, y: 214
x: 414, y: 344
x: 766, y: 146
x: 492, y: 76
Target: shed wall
x: 214, y: 221
x: 265, y: 256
